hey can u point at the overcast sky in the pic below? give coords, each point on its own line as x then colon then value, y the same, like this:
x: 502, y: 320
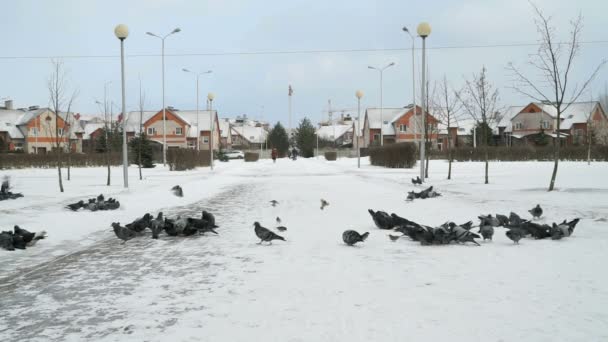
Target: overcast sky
x: 244, y: 84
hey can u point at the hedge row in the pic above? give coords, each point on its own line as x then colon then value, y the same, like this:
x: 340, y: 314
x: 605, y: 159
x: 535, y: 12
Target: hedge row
x: 49, y: 160
x: 400, y: 155
x: 181, y: 159
x: 523, y: 153
x: 331, y: 156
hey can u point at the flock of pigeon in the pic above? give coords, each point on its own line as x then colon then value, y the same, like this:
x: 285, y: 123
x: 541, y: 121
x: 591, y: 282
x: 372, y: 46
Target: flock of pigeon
x: 517, y: 228
x: 94, y: 204
x: 19, y: 238
x: 5, y: 194
x: 179, y: 226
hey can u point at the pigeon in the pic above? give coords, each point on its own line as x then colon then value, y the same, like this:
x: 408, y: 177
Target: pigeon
x: 515, y: 235
x: 351, y: 237
x: 462, y: 235
x: 571, y: 225
x: 394, y: 237
x: 18, y: 242
x: 180, y: 224
x: 486, y: 232
x: 6, y: 240
x: 274, y: 203
x: 157, y: 225
x: 266, y: 234
x: 442, y: 235
x: 502, y: 220
x: 177, y: 191
x: 169, y: 227
x: 324, y: 204
x: 536, y: 230
x: 467, y: 225
x: 488, y: 221
x: 201, y: 225
x: 417, y: 180
x: 559, y: 231
x: 382, y: 219
x: 536, y: 212
x: 278, y: 220
x: 140, y: 224
x: 27, y: 236
x: 207, y: 216
x: 100, y: 198
x: 514, y: 219
x: 281, y: 228
x: 123, y: 233
x: 37, y: 237
x: 5, y: 185
x: 75, y: 206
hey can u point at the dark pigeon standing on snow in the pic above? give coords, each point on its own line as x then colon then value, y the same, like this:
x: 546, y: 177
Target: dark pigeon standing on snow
x: 123, y: 233
x: 157, y: 225
x: 515, y: 235
x: 462, y: 235
x: 210, y: 218
x: 140, y: 224
x: 265, y: 234
x: 351, y: 237
x: 536, y: 212
x: 26, y: 235
x: 274, y: 203
x: 278, y: 220
x: 514, y: 219
x: 177, y: 191
x: 201, y: 225
x: 394, y: 237
x: 75, y: 206
x: 502, y: 220
x: 281, y: 228
x: 6, y: 241
x: 382, y: 219
x: 486, y: 232
x: 5, y: 185
x: 324, y: 204
x: 417, y: 180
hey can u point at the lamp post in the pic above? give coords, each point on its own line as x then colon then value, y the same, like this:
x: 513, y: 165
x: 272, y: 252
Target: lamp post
x: 413, y: 79
x: 359, y: 95
x: 198, y: 128
x: 381, y: 71
x: 163, y: 82
x: 122, y: 32
x: 424, y: 30
x: 210, y: 97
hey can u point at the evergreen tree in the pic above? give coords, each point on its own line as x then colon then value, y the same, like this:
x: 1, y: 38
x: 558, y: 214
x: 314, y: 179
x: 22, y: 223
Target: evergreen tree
x: 484, y: 134
x: 146, y: 151
x: 305, y: 138
x: 277, y: 138
x: 114, y: 134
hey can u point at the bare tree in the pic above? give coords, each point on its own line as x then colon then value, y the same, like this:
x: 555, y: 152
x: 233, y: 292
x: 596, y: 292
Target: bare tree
x: 448, y: 110
x: 58, y: 98
x: 554, y: 60
x: 479, y: 99
x: 142, y: 104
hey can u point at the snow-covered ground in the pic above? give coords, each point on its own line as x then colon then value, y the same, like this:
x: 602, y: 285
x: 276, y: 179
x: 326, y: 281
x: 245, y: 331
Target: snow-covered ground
x: 82, y: 284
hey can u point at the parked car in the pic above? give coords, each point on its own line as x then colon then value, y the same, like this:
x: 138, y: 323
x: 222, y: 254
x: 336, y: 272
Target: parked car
x: 234, y: 154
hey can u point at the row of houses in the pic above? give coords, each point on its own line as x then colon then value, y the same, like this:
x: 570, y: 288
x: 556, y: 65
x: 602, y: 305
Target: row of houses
x: 518, y: 125
x: 33, y: 130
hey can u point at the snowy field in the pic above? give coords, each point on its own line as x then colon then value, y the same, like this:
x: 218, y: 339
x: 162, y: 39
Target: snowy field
x: 82, y: 284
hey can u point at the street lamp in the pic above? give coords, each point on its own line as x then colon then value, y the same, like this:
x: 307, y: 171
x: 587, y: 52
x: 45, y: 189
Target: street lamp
x: 210, y: 97
x: 359, y: 95
x: 424, y: 30
x: 163, y: 81
x: 413, y: 79
x: 381, y: 70
x: 122, y: 32
x: 198, y: 128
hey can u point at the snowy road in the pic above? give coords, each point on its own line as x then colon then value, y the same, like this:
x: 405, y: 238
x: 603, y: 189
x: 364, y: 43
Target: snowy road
x: 312, y: 287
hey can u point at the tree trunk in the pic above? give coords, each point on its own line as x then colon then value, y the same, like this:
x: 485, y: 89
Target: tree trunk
x: 139, y: 155
x: 59, y: 169
x: 69, y: 164
x: 426, y: 169
x: 108, y: 161
x: 556, y: 157
x: 449, y: 163
x: 486, y: 157
x: 588, y: 146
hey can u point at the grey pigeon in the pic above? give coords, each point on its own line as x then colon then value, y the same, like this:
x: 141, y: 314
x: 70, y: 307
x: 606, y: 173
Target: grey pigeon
x: 382, y: 219
x: 140, y: 224
x: 75, y: 206
x: 278, y: 220
x: 514, y: 219
x: 351, y: 237
x: 486, y: 232
x: 201, y: 225
x: 177, y: 191
x: 281, y: 228
x: 536, y: 212
x: 571, y: 225
x: 274, y: 203
x: 515, y: 235
x: 6, y: 240
x: 26, y: 235
x: 417, y: 180
x: 324, y: 204
x: 502, y: 220
x: 462, y: 235
x: 210, y: 218
x: 265, y: 234
x: 157, y: 225
x: 394, y: 237
x: 123, y: 233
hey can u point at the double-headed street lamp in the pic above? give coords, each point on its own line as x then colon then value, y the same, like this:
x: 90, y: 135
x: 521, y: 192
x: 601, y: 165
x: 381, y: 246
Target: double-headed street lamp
x: 424, y: 30
x: 381, y: 70
x: 122, y: 31
x: 210, y: 98
x: 198, y: 128
x: 163, y: 81
x: 359, y: 95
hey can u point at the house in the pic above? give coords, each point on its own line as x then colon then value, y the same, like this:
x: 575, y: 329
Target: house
x: 459, y: 134
x: 32, y: 130
x: 339, y: 134
x: 249, y: 137
x: 184, y: 127
x: 225, y: 134
x: 531, y: 124
x: 396, y: 125
x: 358, y: 132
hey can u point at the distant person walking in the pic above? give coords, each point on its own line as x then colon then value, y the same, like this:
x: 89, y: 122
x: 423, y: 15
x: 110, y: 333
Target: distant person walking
x: 274, y: 154
x: 294, y: 154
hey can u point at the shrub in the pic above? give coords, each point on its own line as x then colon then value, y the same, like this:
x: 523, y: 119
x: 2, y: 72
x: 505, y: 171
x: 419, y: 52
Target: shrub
x: 400, y: 155
x: 331, y: 156
x: 181, y: 159
x: 252, y: 156
x: 49, y: 160
x: 524, y: 153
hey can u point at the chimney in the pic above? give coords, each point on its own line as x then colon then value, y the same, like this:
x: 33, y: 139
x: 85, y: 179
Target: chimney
x: 8, y: 104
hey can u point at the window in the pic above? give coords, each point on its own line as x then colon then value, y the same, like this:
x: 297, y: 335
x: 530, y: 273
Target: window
x: 518, y: 125
x: 544, y: 124
x: 151, y: 131
x: 178, y: 131
x: 402, y: 128
x: 34, y: 131
x: 60, y: 131
x: 205, y: 140
x: 376, y: 137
